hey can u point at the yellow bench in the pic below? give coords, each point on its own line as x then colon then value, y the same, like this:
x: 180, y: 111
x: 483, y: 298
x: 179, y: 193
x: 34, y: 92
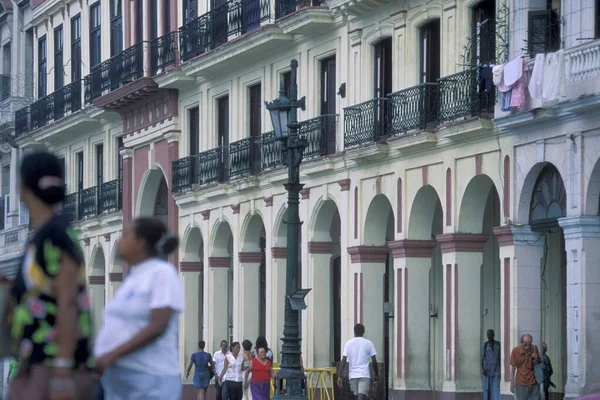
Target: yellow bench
x: 318, y: 380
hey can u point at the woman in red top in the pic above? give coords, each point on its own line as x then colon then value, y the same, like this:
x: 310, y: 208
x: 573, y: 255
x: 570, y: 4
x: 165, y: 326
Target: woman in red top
x: 262, y: 372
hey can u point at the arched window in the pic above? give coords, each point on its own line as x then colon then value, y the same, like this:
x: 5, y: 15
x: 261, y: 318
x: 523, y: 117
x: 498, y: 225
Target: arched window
x: 549, y: 200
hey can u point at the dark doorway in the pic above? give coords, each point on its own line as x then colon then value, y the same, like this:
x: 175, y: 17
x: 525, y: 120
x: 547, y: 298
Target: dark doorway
x: 223, y: 136
x: 483, y: 33
x: 430, y: 51
x: 382, y: 81
x: 153, y: 19
x: 190, y: 10
x: 220, y: 24
x: 194, y: 130
x: 255, y: 120
x: 328, y: 93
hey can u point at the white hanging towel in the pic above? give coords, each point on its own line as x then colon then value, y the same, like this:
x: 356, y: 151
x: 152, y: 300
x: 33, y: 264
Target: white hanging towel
x: 536, y: 83
x: 498, y: 78
x: 513, y: 70
x: 555, y: 83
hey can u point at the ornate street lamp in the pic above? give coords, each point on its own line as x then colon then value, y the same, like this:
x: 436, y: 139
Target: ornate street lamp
x: 284, y: 115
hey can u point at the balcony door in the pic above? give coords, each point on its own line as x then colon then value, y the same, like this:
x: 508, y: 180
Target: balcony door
x: 430, y: 60
x: 483, y: 33
x: 223, y: 136
x: 194, y: 130
x: 153, y: 19
x: 255, y: 120
x: 99, y: 165
x: 328, y: 93
x: 190, y: 10
x: 382, y: 82
x: 116, y: 27
x: 250, y: 15
x: 79, y: 183
x: 220, y: 31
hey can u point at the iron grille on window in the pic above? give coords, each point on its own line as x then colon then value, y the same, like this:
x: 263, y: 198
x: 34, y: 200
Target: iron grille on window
x: 544, y: 32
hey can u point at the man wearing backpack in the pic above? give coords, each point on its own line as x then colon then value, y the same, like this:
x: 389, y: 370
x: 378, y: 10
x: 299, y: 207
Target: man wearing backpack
x: 490, y: 367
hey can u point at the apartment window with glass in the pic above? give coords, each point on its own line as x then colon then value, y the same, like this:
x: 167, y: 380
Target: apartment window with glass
x: 95, y: 35
x: 116, y: 28
x: 544, y: 29
x: 76, y: 48
x: 42, y: 67
x: 59, y: 68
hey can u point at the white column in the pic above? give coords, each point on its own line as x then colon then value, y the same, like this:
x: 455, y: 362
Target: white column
x: 250, y: 295
x: 276, y: 300
x: 218, y: 281
x: 582, y: 244
x: 191, y: 273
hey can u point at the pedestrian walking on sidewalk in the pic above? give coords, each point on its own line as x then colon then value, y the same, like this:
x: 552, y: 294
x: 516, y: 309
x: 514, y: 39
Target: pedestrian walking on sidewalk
x: 358, y: 352
x: 219, y: 361
x: 137, y: 347
x: 49, y: 310
x: 548, y: 371
x: 232, y: 373
x: 204, y: 368
x: 490, y: 367
x: 522, y: 377
x: 261, y: 341
x: 247, y: 347
x: 262, y: 373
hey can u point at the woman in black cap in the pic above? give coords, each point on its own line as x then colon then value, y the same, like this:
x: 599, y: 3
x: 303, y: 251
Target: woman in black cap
x: 50, y: 306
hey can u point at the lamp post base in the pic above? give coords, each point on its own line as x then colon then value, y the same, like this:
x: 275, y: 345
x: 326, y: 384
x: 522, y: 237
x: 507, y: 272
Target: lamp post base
x: 290, y: 385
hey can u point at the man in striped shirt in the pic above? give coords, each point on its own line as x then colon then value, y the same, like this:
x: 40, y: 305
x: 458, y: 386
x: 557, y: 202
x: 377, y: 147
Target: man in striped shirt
x: 490, y: 367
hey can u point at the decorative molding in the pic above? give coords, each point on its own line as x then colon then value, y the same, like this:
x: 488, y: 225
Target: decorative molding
x: 462, y: 242
x: 235, y: 209
x: 305, y: 193
x: 205, y: 215
x: 107, y: 237
x: 219, y: 262
x: 504, y: 235
x: 580, y: 227
x: 412, y: 248
x: 279, y: 252
x: 97, y: 280
x: 368, y: 254
x: 344, y: 185
x: 511, y: 235
x: 115, y: 277
x: 255, y: 257
x: 191, y: 266
x: 355, y: 37
x: 320, y: 247
x: 173, y: 136
x: 268, y: 201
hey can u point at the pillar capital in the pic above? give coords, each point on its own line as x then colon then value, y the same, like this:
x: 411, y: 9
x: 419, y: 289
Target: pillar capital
x: 279, y: 252
x: 191, y: 266
x: 511, y: 235
x: 219, y: 262
x: 368, y: 254
x: 412, y: 248
x: 462, y: 242
x: 580, y: 227
x: 250, y: 257
x: 320, y: 247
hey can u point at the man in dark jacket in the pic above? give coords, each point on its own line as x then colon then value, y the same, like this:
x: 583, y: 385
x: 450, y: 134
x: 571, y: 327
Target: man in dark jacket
x: 548, y: 371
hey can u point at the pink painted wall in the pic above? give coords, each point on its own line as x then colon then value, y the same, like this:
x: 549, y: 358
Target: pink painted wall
x: 140, y: 166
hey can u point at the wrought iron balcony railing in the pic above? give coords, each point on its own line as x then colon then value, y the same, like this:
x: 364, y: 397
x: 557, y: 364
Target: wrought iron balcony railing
x: 287, y: 7
x: 411, y: 109
x: 4, y: 87
x: 89, y: 202
x: 22, y: 121
x: 55, y: 106
x: 460, y: 97
x: 218, y: 26
x: 364, y: 122
x: 271, y: 151
x: 165, y: 52
x: 244, y: 157
x: 320, y: 134
x: 115, y: 72
x: 70, y: 206
x: 111, y: 194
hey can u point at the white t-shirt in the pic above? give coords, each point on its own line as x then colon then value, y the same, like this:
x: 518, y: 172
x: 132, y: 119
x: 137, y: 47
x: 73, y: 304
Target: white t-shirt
x: 150, y: 285
x: 359, y: 351
x: 234, y: 368
x: 219, y: 360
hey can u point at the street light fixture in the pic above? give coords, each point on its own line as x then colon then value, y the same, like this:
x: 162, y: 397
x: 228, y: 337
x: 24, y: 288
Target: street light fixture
x: 284, y: 115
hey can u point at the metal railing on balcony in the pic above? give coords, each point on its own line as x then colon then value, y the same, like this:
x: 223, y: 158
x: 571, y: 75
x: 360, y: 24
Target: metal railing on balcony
x: 218, y: 26
x: 115, y: 72
x: 411, y: 108
x: 42, y: 112
x: 320, y: 134
x: 364, y: 122
x: 55, y: 106
x: 4, y: 87
x: 22, y: 121
x: 271, y: 151
x: 70, y: 206
x: 111, y: 194
x: 165, y: 52
x: 209, y: 166
x: 286, y: 7
x: 460, y: 97
x: 89, y: 202
x: 244, y: 157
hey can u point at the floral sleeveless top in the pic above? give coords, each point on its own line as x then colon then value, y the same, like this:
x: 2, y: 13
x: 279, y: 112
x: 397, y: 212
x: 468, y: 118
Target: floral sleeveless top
x: 33, y: 299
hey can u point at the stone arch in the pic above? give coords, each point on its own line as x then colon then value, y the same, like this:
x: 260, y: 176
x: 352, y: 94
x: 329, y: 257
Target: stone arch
x: 116, y: 266
x: 149, y: 188
x: 280, y: 228
x: 322, y: 218
x: 98, y: 262
x: 423, y: 213
x: 420, y: 17
x: 376, y: 221
x: 193, y: 244
x: 473, y: 204
x: 222, y: 240
x: 527, y: 190
x: 380, y: 32
x: 592, y: 197
x: 252, y: 229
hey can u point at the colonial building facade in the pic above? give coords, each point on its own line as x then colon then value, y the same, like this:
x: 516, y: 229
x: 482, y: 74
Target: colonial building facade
x: 429, y: 214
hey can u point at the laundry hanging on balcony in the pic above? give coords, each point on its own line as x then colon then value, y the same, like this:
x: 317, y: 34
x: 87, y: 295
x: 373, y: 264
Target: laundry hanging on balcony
x: 548, y: 79
x: 510, y: 80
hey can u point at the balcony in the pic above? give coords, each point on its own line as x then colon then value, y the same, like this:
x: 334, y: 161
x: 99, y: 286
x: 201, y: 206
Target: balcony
x: 115, y: 72
x: 55, y: 106
x: 218, y: 26
x: 94, y: 201
x: 251, y: 156
x: 165, y: 53
x: 423, y: 107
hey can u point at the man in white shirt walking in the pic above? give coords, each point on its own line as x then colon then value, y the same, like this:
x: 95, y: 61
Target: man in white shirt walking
x: 219, y: 360
x: 358, y: 352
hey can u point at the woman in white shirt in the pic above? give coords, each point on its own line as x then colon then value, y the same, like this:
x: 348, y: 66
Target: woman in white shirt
x: 136, y: 348
x: 232, y: 371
